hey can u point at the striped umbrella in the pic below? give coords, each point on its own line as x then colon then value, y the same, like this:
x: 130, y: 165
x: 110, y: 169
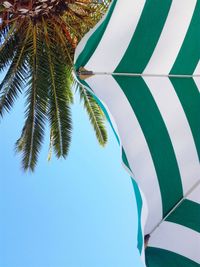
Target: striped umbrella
x: 142, y: 63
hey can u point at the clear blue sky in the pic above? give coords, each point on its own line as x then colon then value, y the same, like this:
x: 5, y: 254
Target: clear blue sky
x: 78, y: 212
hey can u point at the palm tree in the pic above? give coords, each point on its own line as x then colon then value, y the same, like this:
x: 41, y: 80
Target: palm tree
x: 37, y: 42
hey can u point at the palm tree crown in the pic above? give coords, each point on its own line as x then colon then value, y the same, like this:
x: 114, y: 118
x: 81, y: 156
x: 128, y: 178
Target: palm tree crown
x: 37, y: 42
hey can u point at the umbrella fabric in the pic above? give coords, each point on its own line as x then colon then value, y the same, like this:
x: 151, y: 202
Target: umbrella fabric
x: 145, y: 61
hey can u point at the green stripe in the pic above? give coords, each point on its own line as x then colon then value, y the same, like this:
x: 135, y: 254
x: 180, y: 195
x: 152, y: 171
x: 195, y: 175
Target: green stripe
x: 186, y: 63
x: 157, y: 137
x: 145, y: 37
x: 139, y: 207
x: 189, y: 97
x: 189, y: 54
x: 187, y: 214
x: 156, y: 257
x: 94, y: 40
x: 139, y: 204
x: 125, y: 160
x: 140, y: 238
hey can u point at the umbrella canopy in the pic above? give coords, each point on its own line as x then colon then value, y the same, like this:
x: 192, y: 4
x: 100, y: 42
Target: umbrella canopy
x: 142, y: 62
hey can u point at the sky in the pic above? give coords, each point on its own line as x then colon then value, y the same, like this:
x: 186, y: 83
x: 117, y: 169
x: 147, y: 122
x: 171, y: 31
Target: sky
x: 78, y: 212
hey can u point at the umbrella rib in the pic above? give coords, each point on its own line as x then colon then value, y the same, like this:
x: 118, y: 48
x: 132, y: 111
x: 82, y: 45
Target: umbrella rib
x: 177, y: 205
x: 84, y: 74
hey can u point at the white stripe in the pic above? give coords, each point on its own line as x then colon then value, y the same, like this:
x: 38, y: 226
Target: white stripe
x: 144, y: 216
x: 178, y: 129
x: 86, y: 37
x: 144, y: 213
x: 195, y: 195
x: 133, y: 142
x: 112, y: 121
x: 197, y: 71
x: 172, y: 37
x: 178, y: 239
x: 117, y: 36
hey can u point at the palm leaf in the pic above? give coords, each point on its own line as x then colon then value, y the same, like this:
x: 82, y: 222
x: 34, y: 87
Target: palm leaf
x: 36, y: 49
x: 59, y: 111
x: 8, y: 42
x: 37, y: 97
x: 7, y: 52
x: 67, y: 51
x: 95, y: 115
x: 15, y: 77
x: 6, y: 33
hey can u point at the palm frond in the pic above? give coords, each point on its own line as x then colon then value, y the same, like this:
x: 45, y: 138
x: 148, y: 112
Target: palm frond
x: 59, y: 111
x: 8, y: 43
x: 50, y: 147
x: 7, y: 52
x: 67, y: 71
x: 67, y: 50
x: 15, y: 77
x: 6, y: 33
x: 95, y: 114
x: 37, y: 44
x: 37, y: 98
x: 66, y: 53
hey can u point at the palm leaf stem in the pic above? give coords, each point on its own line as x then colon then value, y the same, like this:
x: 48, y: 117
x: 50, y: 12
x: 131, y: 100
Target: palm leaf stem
x: 64, y: 28
x: 33, y: 92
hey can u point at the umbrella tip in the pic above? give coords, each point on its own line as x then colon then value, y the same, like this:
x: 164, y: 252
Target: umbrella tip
x: 84, y: 74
